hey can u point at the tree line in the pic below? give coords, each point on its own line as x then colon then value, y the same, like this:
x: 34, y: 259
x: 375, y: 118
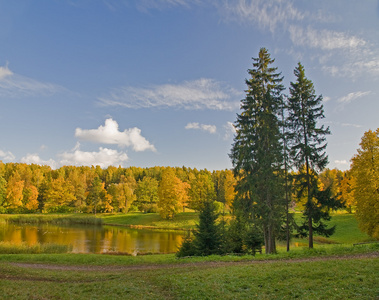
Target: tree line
x: 26, y: 188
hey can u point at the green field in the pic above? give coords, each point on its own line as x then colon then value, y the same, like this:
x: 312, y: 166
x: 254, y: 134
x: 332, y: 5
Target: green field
x: 330, y: 271
x: 181, y: 221
x: 303, y: 275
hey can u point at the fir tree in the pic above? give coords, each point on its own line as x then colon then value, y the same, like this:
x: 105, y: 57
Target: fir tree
x: 207, y: 237
x: 257, y: 151
x: 307, y: 149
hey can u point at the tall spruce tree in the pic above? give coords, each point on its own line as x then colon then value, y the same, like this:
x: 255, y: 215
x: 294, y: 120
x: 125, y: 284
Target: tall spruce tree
x: 257, y: 151
x: 307, y: 142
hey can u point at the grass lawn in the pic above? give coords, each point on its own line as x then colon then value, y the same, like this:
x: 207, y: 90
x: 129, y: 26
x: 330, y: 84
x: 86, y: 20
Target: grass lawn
x: 330, y: 271
x: 305, y: 276
x: 186, y: 220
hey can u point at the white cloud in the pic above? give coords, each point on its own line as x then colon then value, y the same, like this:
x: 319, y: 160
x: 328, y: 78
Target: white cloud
x: 35, y: 159
x: 110, y: 134
x: 204, y: 127
x: 7, y: 155
x: 230, y: 130
x: 4, y: 72
x: 265, y: 13
x: 197, y: 94
x: 14, y: 85
x: 341, y: 162
x: 352, y: 96
x: 351, y: 125
x: 145, y: 5
x: 104, y: 157
x: 323, y: 39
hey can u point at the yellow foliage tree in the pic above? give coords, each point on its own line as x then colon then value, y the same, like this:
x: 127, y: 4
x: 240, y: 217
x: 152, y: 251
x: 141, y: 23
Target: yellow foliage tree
x: 15, y: 188
x: 229, y: 188
x: 172, y: 193
x: 31, y: 197
x: 347, y: 191
x: 365, y: 168
x: 59, y: 194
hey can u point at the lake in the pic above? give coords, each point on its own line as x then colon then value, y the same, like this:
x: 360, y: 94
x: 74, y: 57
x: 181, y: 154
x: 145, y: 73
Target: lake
x: 94, y: 238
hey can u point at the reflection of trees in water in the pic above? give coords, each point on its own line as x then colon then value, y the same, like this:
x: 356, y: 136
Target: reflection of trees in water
x: 94, y: 239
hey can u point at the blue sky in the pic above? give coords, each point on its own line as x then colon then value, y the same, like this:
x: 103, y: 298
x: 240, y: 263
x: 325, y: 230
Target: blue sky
x: 158, y: 83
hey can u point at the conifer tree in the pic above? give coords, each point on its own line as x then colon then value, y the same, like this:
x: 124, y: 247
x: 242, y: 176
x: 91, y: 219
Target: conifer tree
x: 307, y: 142
x: 207, y: 237
x: 257, y: 151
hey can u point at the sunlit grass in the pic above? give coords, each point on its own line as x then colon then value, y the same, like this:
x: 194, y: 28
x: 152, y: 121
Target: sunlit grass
x: 187, y: 220
x: 58, y: 219
x: 303, y: 274
x: 11, y: 248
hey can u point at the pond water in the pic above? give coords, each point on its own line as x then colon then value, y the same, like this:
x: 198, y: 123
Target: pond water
x: 94, y: 238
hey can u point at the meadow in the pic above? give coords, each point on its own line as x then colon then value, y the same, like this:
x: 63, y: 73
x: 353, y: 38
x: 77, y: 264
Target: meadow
x: 332, y: 270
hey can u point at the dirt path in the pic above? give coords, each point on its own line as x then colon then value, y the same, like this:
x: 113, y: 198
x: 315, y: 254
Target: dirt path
x: 110, y: 268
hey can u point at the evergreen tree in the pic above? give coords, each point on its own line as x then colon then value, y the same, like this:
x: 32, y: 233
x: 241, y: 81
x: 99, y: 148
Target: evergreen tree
x: 207, y: 237
x: 257, y: 151
x: 307, y: 144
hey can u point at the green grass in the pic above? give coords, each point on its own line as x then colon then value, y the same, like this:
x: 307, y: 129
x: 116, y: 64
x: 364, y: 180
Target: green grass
x: 162, y: 259
x: 10, y: 248
x: 347, y: 230
x: 186, y: 220
x: 165, y: 277
x: 58, y: 219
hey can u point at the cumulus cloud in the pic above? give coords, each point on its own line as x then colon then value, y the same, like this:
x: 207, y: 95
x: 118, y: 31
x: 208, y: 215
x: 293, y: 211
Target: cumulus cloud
x: 197, y: 94
x: 7, y: 155
x: 203, y: 127
x: 35, y: 159
x: 14, y: 85
x: 110, y: 134
x: 352, y: 96
x: 104, y: 157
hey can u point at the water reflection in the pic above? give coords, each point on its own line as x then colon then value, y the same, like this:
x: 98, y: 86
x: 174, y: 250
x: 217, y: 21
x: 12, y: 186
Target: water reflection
x: 94, y: 239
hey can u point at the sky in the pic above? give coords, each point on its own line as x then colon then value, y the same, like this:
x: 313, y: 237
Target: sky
x: 158, y: 83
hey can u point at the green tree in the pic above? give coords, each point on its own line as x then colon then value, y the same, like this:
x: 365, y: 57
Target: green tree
x: 307, y: 145
x: 94, y: 194
x: 201, y: 190
x: 365, y: 168
x: 147, y: 194
x: 257, y: 151
x: 207, y: 237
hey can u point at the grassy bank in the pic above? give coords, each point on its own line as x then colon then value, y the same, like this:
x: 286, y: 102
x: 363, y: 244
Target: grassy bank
x: 10, y: 248
x: 57, y: 219
x: 305, y: 275
x: 186, y: 221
